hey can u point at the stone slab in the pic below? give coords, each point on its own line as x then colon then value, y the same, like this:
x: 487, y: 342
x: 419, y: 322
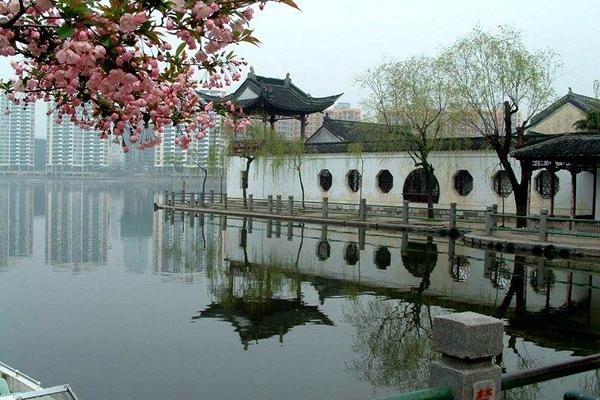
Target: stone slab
x: 468, y: 335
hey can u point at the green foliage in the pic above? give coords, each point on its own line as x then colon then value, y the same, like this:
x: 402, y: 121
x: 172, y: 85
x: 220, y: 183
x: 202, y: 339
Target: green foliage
x: 591, y: 122
x: 488, y: 68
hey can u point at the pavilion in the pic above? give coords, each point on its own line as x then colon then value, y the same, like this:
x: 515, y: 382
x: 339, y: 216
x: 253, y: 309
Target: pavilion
x: 274, y: 99
x: 575, y: 152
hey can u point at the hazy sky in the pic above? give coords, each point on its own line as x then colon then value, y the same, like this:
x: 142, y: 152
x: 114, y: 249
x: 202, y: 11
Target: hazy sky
x: 329, y: 42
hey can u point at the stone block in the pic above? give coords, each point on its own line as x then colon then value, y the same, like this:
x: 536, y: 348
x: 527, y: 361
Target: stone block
x: 468, y: 335
x: 465, y: 379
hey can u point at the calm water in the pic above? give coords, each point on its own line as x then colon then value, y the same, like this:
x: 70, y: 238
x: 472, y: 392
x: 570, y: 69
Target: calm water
x: 99, y: 292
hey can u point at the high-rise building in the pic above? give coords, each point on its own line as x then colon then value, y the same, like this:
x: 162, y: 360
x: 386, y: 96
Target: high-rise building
x: 71, y: 148
x: 16, y: 135
x: 168, y: 151
x: 290, y: 128
x: 344, y: 111
x: 40, y: 153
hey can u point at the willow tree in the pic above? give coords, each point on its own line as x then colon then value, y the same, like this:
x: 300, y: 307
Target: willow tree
x: 297, y: 156
x: 258, y: 141
x: 494, y: 76
x: 410, y: 97
x: 215, y: 163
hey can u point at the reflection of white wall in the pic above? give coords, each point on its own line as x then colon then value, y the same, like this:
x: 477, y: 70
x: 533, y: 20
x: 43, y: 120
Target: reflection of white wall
x: 477, y: 288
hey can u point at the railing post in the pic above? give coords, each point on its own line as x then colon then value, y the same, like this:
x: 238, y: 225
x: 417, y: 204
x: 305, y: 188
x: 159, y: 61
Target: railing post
x: 224, y: 197
x: 166, y: 198
x: 212, y: 196
x: 250, y: 202
x: 270, y: 203
x: 405, y: 211
x: 202, y: 200
x: 290, y: 205
x: 278, y: 204
x: 452, y: 215
x: 172, y: 198
x: 325, y: 207
x: 543, y: 226
x: 467, y: 342
x: 489, y: 221
x: 192, y: 200
x: 362, y: 209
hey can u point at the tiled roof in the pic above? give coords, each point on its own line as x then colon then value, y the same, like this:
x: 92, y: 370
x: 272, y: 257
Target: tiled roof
x: 569, y: 146
x: 274, y: 96
x: 377, y: 138
x: 584, y: 103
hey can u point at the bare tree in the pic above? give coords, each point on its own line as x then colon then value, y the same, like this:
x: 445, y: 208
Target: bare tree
x: 494, y: 77
x: 410, y: 97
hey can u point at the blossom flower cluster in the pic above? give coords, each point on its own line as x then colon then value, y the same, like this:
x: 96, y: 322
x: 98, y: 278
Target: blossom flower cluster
x: 126, y: 68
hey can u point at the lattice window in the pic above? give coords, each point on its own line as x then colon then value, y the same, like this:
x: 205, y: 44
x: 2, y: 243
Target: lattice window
x: 463, y: 182
x: 502, y: 184
x: 415, y: 187
x: 385, y: 180
x: 323, y: 251
x: 325, y: 180
x: 352, y: 254
x: 543, y: 184
x: 354, y: 180
x: 383, y: 258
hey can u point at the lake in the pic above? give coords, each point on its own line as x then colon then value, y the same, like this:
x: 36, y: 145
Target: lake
x: 99, y: 291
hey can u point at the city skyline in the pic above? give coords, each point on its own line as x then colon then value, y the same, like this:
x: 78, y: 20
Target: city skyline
x: 413, y: 30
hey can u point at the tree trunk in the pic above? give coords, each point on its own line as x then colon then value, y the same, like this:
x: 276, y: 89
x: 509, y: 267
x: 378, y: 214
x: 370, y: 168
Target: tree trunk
x: 429, y: 175
x: 204, y: 180
x: 301, y: 187
x: 245, y: 179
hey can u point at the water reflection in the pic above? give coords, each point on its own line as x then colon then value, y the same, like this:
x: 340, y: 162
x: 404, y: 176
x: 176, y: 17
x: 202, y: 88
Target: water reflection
x: 372, y: 294
x: 16, y: 224
x: 76, y: 226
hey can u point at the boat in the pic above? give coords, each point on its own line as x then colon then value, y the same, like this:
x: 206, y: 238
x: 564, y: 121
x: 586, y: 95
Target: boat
x: 14, y: 385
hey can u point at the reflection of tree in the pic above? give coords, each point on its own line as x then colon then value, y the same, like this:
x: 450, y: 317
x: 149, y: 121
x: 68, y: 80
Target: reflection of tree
x: 260, y: 301
x: 392, y: 341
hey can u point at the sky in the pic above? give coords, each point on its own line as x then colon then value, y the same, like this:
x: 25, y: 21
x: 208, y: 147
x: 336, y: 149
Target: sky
x: 329, y: 42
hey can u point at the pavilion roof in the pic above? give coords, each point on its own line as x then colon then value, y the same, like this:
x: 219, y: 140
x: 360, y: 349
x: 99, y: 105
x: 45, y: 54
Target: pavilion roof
x: 273, y: 96
x: 568, y: 146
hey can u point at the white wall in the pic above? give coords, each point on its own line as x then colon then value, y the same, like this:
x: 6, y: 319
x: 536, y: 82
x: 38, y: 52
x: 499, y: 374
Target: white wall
x: 482, y: 165
x: 263, y: 180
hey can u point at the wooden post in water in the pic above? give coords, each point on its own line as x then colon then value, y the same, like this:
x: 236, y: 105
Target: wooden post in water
x: 202, y: 200
x: 325, y: 207
x: 290, y: 205
x: 270, y: 203
x: 250, y: 202
x: 279, y: 204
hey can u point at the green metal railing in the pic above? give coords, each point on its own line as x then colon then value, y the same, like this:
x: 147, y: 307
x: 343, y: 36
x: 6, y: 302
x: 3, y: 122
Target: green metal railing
x: 519, y: 379
x: 439, y: 393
